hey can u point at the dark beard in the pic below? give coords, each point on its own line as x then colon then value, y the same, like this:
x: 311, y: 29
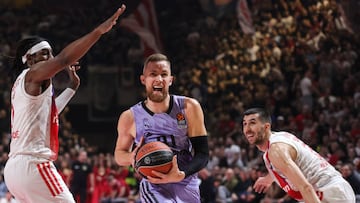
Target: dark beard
x: 157, y: 98
x: 260, y: 137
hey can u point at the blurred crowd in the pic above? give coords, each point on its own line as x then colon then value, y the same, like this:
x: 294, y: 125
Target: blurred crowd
x: 302, y: 63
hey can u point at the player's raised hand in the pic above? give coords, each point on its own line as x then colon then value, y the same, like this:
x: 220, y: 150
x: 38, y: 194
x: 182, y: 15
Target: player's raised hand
x: 110, y: 22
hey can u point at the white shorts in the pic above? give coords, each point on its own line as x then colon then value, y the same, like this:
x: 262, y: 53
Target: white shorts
x: 35, y: 180
x: 339, y: 191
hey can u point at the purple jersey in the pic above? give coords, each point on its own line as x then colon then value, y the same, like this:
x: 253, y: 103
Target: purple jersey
x: 170, y: 128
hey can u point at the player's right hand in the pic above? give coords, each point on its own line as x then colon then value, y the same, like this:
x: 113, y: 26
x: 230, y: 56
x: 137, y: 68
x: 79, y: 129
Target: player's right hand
x: 136, y: 149
x: 262, y: 184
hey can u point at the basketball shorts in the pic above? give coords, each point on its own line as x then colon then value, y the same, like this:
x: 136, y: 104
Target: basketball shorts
x: 170, y: 193
x: 339, y: 191
x: 35, y: 180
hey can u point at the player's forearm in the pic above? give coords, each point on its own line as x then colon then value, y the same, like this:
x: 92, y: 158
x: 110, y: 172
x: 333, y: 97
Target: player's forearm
x: 309, y: 194
x: 64, y: 98
x: 201, y: 156
x: 269, y: 178
x: 78, y: 48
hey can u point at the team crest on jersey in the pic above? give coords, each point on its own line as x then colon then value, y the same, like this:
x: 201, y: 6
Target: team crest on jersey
x: 181, y: 120
x: 146, y: 123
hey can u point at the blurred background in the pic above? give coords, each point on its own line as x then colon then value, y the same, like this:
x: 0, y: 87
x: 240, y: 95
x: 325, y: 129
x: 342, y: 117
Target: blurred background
x: 298, y: 58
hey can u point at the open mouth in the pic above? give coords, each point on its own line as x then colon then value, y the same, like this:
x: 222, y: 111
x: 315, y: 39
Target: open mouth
x: 249, y: 136
x: 157, y: 88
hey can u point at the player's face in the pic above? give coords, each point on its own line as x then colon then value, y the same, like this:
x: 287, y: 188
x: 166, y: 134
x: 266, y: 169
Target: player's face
x: 42, y: 55
x: 254, y: 129
x: 157, y: 79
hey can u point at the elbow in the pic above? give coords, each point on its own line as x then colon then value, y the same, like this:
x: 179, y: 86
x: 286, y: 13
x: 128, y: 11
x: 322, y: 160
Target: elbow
x: 117, y: 159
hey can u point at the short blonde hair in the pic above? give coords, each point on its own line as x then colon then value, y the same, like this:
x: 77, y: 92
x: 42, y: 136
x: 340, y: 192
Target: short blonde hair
x: 155, y: 58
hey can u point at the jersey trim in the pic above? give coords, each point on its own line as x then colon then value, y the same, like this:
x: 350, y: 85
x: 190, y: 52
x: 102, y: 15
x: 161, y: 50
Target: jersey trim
x: 171, y: 104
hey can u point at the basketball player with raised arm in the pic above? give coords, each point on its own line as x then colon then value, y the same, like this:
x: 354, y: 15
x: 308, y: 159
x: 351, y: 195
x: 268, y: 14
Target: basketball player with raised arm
x: 178, y: 121
x: 30, y: 174
x: 300, y: 171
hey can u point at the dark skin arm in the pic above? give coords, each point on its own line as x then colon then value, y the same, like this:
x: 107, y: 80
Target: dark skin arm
x: 41, y: 72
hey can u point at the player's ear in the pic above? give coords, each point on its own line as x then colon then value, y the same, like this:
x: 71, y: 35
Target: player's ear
x: 142, y: 79
x: 267, y: 126
x: 171, y: 80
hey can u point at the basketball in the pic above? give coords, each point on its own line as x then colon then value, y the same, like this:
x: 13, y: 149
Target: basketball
x: 155, y: 156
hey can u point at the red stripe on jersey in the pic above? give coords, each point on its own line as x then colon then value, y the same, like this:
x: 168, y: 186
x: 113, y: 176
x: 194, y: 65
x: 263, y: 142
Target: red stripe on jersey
x: 54, y: 130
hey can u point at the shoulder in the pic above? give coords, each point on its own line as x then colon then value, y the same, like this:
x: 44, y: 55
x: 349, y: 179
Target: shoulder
x: 281, y: 136
x: 126, y: 116
x: 191, y: 102
x: 281, y: 148
x: 193, y: 110
x: 280, y: 153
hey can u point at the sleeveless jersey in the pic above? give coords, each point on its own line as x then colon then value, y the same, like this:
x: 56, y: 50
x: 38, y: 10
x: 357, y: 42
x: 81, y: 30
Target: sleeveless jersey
x: 315, y: 168
x: 33, y: 122
x: 169, y: 128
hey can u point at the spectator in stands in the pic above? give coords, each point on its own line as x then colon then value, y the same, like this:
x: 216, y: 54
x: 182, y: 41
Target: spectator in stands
x: 207, y: 187
x: 82, y: 181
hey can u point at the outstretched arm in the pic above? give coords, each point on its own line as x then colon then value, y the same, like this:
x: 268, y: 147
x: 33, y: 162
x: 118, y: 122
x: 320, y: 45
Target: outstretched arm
x: 282, y: 156
x: 71, y: 53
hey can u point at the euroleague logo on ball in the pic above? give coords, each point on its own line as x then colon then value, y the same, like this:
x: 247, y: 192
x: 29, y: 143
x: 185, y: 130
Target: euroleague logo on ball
x: 147, y: 160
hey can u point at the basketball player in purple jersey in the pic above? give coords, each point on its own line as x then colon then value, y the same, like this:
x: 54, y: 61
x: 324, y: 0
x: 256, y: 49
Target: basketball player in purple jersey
x: 30, y: 174
x: 300, y: 171
x: 175, y: 120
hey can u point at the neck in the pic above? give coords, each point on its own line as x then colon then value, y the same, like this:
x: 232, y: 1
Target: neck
x: 158, y: 107
x: 265, y: 144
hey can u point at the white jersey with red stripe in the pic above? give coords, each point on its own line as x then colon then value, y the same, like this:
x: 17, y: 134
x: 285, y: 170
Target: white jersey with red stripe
x: 314, y: 167
x: 30, y: 121
x: 325, y: 179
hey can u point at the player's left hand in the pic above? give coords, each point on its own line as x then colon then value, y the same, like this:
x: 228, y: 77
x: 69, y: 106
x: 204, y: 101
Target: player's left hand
x: 174, y: 175
x: 74, y: 78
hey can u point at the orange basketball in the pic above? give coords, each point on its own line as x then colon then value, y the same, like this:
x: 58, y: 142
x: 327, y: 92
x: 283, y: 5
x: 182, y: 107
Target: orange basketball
x: 155, y: 156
